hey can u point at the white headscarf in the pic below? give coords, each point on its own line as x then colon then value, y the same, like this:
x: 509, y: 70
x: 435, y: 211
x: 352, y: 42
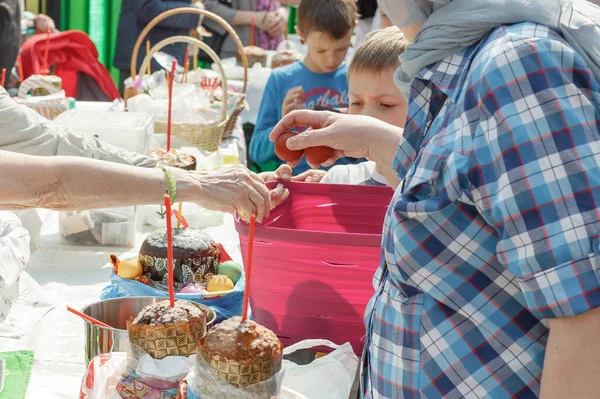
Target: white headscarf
x: 451, y: 25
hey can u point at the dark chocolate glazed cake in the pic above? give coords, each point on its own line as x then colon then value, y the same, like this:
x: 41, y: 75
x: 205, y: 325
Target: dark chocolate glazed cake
x: 195, y: 255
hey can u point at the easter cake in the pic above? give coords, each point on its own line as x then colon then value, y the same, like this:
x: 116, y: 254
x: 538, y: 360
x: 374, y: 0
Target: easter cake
x: 161, y: 330
x: 195, y: 256
x: 241, y: 353
x: 174, y: 158
x: 285, y: 57
x: 254, y: 55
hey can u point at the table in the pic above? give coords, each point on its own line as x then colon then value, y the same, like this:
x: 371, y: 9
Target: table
x: 81, y: 272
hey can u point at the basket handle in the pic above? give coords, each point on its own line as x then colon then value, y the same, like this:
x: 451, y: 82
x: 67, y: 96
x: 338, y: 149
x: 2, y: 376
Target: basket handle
x: 190, y: 10
x: 204, y: 47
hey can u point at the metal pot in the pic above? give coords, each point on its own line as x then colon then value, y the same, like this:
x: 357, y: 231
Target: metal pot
x: 115, y: 313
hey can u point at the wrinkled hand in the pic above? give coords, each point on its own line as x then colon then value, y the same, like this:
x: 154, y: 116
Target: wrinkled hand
x: 293, y: 100
x: 353, y: 136
x: 43, y: 24
x: 235, y: 188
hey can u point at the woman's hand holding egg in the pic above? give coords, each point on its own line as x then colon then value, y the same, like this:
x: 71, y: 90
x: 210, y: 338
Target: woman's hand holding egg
x: 353, y: 136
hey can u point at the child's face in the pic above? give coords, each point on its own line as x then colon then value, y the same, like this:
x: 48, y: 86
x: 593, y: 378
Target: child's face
x: 376, y: 95
x: 325, y: 53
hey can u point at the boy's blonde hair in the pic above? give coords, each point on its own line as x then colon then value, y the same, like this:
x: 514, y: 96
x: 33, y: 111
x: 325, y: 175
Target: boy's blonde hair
x: 380, y: 51
x: 336, y: 17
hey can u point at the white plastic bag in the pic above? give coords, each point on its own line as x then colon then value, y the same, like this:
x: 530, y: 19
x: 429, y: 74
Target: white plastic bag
x: 328, y: 377
x: 14, y: 255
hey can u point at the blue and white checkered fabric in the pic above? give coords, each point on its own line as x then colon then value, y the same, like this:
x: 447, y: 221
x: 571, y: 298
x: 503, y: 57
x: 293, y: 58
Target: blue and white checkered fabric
x: 496, y: 227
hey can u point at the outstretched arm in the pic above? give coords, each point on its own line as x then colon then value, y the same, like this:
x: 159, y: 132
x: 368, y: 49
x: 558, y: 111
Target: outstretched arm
x: 62, y: 183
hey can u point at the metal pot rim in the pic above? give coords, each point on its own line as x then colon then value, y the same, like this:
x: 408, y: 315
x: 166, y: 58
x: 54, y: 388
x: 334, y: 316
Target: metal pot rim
x: 210, y: 318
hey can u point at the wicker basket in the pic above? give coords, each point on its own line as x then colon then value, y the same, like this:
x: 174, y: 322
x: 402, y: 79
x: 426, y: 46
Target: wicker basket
x: 205, y: 136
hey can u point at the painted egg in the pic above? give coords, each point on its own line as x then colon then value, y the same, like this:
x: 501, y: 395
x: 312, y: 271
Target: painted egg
x: 315, y: 156
x: 219, y: 283
x: 129, y: 268
x: 193, y: 289
x: 282, y: 150
x: 231, y: 270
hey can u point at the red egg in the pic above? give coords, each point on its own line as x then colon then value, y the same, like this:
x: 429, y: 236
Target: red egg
x: 283, y: 152
x: 317, y: 155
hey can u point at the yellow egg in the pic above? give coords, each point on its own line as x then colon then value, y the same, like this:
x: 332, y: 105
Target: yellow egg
x: 129, y: 268
x: 219, y: 283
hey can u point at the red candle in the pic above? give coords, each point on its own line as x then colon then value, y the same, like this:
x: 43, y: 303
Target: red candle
x: 88, y: 318
x: 3, y: 77
x: 170, y: 264
x: 181, y: 219
x: 46, y: 66
x: 249, y: 266
x: 186, y: 65
x: 20, y: 66
x: 170, y: 83
x: 252, y: 31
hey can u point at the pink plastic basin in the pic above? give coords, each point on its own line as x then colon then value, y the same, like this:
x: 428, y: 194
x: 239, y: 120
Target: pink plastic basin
x: 314, y: 260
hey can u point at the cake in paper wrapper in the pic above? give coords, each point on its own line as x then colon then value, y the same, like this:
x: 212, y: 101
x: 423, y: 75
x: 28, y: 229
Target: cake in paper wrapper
x: 242, y: 355
x: 161, y: 330
x: 195, y: 257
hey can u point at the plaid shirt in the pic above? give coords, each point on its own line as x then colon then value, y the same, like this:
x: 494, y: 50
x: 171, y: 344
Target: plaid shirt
x: 496, y: 226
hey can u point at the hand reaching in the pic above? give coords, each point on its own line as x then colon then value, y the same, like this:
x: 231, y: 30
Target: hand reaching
x: 293, y: 100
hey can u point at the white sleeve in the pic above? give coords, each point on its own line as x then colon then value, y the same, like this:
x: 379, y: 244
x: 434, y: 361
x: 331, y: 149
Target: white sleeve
x: 339, y: 174
x: 24, y: 131
x: 359, y: 174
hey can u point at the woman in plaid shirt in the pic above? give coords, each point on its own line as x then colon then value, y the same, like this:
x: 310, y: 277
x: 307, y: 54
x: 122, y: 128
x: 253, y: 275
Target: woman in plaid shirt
x: 490, y: 261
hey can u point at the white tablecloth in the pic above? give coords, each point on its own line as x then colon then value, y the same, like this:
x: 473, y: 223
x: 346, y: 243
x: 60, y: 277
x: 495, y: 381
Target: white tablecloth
x: 79, y: 273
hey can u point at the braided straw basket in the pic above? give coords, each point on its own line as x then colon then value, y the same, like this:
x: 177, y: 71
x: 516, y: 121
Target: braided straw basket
x: 205, y: 136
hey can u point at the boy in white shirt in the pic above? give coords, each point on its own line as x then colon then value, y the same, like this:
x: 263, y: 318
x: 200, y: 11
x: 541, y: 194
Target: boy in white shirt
x: 372, y: 92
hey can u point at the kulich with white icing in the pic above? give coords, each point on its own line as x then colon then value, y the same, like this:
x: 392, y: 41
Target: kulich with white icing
x: 174, y: 157
x: 254, y: 54
x: 285, y: 57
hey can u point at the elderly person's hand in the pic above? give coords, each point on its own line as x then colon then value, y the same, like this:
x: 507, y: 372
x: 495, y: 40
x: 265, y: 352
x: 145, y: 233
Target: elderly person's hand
x: 64, y: 183
x: 235, y: 188
x: 349, y: 135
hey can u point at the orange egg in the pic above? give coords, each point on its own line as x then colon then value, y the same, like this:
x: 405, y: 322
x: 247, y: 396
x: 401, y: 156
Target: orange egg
x: 317, y: 155
x: 283, y: 152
